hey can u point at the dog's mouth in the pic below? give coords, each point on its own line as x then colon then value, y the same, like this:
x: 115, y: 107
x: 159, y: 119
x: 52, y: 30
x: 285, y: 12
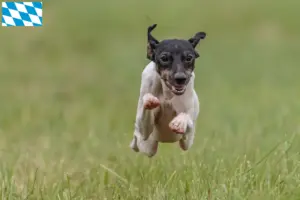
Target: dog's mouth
x: 176, y: 89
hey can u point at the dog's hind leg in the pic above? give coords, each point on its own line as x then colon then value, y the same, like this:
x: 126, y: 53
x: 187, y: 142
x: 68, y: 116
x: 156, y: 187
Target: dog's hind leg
x: 148, y: 147
x: 133, y: 144
x: 187, y: 140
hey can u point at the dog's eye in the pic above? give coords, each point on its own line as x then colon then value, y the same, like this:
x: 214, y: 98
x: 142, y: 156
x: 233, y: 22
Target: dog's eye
x: 189, y: 58
x: 164, y: 58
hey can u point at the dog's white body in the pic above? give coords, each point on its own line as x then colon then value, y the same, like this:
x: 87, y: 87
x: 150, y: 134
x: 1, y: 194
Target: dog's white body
x: 162, y: 116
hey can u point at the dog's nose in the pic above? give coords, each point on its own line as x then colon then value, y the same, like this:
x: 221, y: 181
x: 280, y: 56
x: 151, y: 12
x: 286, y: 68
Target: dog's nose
x: 180, y: 78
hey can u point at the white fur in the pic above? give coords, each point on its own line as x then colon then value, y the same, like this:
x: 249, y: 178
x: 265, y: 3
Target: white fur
x: 168, y: 118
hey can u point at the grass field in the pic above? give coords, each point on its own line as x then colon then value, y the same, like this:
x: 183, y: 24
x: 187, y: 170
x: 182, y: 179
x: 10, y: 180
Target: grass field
x: 69, y: 92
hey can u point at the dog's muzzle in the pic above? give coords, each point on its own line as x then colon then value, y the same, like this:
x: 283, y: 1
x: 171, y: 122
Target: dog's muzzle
x: 177, y: 89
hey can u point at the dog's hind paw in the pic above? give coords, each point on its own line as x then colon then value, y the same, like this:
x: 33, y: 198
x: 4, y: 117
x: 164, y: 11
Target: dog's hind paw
x: 133, y: 144
x: 150, y: 102
x: 179, y: 124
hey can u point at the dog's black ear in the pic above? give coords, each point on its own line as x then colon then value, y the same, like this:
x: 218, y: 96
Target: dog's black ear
x: 196, y: 39
x: 152, y: 43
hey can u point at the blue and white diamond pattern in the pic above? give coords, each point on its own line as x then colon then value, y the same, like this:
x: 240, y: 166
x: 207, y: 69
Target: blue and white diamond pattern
x: 22, y: 13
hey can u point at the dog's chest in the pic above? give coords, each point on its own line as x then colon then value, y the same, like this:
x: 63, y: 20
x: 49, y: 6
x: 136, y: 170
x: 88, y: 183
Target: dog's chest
x: 167, y: 111
x: 170, y: 108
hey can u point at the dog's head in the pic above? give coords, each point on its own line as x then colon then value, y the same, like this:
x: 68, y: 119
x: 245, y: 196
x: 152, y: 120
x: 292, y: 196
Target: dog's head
x: 175, y: 59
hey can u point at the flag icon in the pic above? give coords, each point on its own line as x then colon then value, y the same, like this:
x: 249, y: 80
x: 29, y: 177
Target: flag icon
x: 22, y: 13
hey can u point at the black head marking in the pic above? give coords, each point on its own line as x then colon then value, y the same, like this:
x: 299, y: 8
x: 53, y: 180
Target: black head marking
x: 174, y: 59
x: 154, y: 44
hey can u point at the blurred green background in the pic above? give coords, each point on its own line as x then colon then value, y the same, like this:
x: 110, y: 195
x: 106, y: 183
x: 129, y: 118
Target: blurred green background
x: 69, y: 93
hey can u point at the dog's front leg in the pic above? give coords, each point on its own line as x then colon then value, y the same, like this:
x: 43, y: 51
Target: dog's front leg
x: 144, y: 126
x: 148, y: 104
x: 185, y: 123
x: 145, y: 115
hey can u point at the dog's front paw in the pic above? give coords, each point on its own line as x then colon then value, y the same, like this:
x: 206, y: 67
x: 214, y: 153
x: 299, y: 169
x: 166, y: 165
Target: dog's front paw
x: 150, y: 102
x: 179, y: 124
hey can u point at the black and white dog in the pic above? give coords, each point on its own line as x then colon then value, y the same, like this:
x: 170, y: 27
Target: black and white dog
x: 168, y: 105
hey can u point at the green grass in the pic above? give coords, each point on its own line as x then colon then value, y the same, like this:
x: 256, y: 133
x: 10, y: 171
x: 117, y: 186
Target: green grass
x: 69, y: 92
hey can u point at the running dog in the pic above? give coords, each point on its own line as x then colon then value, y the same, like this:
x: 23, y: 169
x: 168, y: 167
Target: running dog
x: 168, y: 106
